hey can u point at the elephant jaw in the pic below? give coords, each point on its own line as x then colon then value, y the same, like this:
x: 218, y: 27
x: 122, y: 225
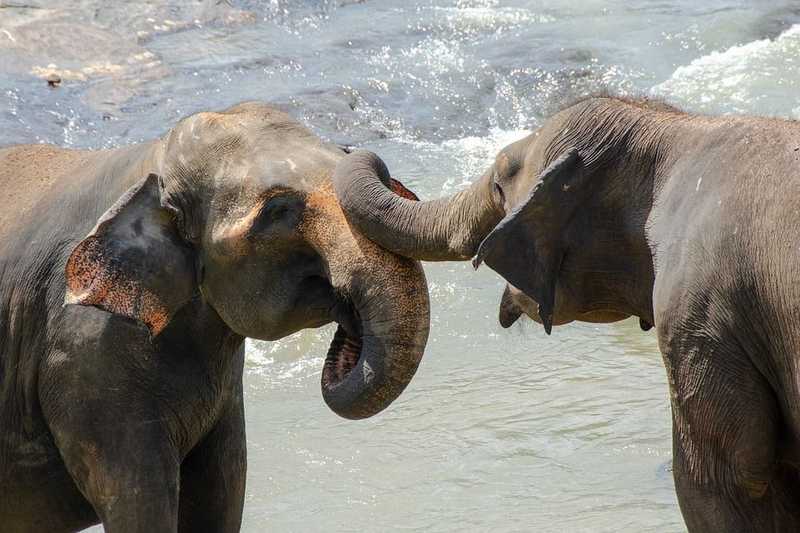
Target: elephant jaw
x: 515, y: 303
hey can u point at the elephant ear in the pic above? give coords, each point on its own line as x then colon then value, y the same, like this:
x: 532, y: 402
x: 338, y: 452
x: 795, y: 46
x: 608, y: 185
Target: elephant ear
x: 527, y: 246
x: 134, y: 263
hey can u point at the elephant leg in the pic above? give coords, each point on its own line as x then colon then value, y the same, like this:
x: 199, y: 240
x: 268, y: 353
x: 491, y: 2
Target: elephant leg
x: 127, y: 471
x: 115, y: 442
x: 213, y: 477
x: 726, y: 426
x: 711, y: 508
x: 141, y: 506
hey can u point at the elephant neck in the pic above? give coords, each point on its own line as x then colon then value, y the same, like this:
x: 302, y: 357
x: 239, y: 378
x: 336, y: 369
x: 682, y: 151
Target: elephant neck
x: 628, y: 149
x: 198, y: 330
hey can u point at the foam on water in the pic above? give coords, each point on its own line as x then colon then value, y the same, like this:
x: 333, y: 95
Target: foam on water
x: 465, y: 22
x: 760, y: 77
x: 473, y: 155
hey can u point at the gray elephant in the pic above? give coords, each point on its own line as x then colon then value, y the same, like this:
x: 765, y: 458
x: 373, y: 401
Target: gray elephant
x: 618, y: 208
x: 124, y: 404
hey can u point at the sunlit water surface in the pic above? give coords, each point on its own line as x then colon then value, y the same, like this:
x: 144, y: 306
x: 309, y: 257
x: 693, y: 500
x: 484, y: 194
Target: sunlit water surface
x: 500, y: 430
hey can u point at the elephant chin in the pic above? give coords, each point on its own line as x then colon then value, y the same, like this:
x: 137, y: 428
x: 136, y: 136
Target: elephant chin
x: 514, y: 304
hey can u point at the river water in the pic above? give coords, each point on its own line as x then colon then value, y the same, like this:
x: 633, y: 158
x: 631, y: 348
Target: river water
x: 500, y: 430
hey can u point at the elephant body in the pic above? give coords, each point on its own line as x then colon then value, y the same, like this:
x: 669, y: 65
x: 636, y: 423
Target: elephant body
x: 617, y: 208
x: 80, y: 384
x: 123, y: 402
x: 693, y: 228
x: 726, y: 305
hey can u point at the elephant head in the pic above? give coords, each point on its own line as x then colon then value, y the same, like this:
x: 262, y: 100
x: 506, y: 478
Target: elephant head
x: 239, y: 211
x: 560, y: 215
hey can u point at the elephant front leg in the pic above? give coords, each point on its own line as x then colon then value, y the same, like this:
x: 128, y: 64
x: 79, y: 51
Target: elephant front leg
x: 713, y: 507
x: 726, y: 426
x: 119, y: 453
x: 128, y: 474
x: 139, y: 506
x: 213, y: 477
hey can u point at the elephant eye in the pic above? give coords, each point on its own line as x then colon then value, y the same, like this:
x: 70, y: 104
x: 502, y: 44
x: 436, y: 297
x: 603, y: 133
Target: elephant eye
x: 275, y: 212
x: 498, y: 190
x: 284, y: 210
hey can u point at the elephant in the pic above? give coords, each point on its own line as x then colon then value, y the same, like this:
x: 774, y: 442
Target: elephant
x: 623, y: 207
x: 129, y: 280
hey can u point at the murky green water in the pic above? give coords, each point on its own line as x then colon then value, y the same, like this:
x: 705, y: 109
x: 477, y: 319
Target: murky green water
x: 500, y: 430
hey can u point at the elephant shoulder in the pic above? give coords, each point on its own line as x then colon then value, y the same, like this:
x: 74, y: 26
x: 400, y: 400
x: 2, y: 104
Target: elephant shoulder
x: 28, y: 173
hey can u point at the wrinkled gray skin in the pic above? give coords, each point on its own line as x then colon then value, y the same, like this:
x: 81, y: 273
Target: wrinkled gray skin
x: 626, y: 208
x: 125, y: 404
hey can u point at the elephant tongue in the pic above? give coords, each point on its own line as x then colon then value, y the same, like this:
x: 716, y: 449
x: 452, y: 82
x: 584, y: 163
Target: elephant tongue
x: 342, y: 357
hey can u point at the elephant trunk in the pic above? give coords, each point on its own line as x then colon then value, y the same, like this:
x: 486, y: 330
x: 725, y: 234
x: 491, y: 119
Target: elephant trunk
x: 380, y: 340
x: 383, y: 312
x: 446, y: 229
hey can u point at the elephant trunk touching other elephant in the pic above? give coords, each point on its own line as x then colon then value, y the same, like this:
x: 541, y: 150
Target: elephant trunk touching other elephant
x: 383, y: 321
x: 438, y: 230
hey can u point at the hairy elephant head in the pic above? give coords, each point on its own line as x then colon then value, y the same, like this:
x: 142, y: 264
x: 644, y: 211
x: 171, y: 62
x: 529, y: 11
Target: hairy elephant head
x: 560, y: 215
x: 242, y: 213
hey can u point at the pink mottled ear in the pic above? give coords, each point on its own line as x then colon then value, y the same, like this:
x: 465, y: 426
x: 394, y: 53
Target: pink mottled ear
x: 134, y: 262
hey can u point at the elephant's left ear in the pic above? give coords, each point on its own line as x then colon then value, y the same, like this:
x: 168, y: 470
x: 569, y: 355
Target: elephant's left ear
x: 527, y: 246
x: 134, y: 263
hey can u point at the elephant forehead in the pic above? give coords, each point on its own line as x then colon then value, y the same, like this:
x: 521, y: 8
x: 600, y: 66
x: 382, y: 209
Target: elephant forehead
x: 303, y: 170
x: 251, y: 147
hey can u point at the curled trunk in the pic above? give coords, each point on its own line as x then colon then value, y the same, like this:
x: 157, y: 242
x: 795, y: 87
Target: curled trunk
x: 382, y: 333
x: 446, y: 229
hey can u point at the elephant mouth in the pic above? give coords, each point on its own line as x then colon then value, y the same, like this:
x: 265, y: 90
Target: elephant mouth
x: 345, y: 348
x: 342, y: 358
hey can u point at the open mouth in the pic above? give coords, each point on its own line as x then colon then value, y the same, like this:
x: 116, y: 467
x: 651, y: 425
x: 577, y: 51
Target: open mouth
x: 342, y: 357
x: 345, y: 348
